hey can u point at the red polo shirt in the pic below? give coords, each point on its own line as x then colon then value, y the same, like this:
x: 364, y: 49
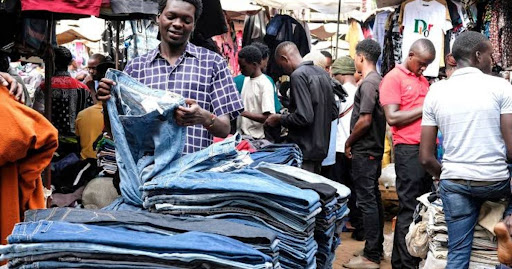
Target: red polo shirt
x: 402, y: 87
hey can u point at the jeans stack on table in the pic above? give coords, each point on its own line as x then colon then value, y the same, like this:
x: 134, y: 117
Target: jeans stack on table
x: 334, y: 206
x: 288, y: 154
x: 59, y: 244
x: 248, y: 197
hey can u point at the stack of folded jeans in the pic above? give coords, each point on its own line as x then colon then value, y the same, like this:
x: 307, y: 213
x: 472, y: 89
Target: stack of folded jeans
x: 248, y: 197
x: 333, y: 198
x: 106, y: 157
x: 59, y: 244
x: 289, y: 154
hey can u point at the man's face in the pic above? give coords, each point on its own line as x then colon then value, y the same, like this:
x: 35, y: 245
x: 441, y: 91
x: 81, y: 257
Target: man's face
x: 176, y: 22
x: 247, y: 69
x: 418, y: 62
x: 329, y: 64
x: 285, y: 64
x: 358, y: 62
x: 485, y: 59
x: 92, y: 64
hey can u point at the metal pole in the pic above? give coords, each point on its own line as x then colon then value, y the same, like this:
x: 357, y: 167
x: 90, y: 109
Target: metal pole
x: 338, y: 28
x: 48, y: 69
x: 118, y: 26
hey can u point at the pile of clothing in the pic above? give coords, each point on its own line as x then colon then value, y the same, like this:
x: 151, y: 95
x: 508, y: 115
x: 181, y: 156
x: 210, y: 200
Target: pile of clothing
x: 75, y: 238
x: 106, y: 156
x: 288, y: 154
x: 433, y: 238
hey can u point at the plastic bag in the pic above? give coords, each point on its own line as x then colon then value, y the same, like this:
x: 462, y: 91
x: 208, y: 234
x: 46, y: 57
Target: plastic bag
x: 388, y: 176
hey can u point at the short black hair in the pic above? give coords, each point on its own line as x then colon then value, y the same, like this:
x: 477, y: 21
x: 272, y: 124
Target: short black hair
x: 250, y: 54
x: 326, y: 54
x: 265, y: 51
x: 98, y: 56
x: 198, y: 4
x: 282, y: 46
x: 63, y: 58
x: 370, y: 49
x: 467, y: 44
x: 425, y: 45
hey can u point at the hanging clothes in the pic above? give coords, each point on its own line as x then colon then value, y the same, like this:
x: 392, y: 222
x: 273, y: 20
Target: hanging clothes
x: 354, y: 35
x: 254, y: 28
x: 82, y: 7
x: 379, y: 34
x: 426, y: 19
x: 149, y: 7
x: 388, y: 53
x: 140, y: 37
x: 27, y: 145
x: 284, y: 28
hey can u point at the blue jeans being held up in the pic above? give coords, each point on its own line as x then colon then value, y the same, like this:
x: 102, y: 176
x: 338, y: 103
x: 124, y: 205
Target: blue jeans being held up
x: 461, y: 204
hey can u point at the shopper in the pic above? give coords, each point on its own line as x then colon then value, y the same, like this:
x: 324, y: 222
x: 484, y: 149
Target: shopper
x: 402, y: 93
x: 473, y: 111
x: 365, y: 146
x: 343, y: 70
x: 328, y: 55
x: 257, y: 94
x: 92, y: 79
x: 312, y: 106
x: 196, y: 73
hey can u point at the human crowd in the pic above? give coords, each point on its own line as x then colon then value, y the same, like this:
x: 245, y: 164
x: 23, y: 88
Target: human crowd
x: 336, y: 111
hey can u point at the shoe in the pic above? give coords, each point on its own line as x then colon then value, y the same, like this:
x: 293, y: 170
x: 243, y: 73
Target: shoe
x: 361, y: 262
x: 361, y: 253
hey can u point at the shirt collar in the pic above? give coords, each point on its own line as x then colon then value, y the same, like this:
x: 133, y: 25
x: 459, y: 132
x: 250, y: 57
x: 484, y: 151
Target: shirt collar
x: 191, y: 50
x: 306, y: 63
x: 466, y: 71
x: 405, y: 70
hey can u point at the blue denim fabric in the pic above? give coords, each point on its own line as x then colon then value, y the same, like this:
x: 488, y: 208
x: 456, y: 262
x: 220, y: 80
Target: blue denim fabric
x: 247, y: 180
x: 145, y: 133
x: 99, y: 265
x: 461, y: 205
x: 288, y: 154
x: 331, y: 154
x: 190, y: 242
x: 23, y: 250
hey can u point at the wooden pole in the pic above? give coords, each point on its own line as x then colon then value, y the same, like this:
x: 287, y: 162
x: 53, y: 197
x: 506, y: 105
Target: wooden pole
x: 49, y: 68
x: 338, y: 29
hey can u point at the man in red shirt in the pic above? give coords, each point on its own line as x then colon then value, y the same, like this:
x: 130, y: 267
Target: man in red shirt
x: 402, y: 93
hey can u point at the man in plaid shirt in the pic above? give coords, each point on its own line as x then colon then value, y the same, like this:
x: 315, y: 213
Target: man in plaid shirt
x: 199, y: 75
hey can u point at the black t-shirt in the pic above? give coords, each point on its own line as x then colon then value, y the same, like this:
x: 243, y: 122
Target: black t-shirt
x: 366, y: 101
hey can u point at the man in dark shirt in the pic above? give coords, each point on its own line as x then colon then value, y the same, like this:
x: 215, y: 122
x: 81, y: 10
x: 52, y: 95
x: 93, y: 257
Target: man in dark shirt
x: 365, y: 146
x: 312, y: 106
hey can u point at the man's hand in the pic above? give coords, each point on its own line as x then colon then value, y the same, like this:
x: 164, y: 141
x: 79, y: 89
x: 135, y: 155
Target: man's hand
x: 15, y: 88
x: 104, y: 88
x: 273, y: 120
x: 348, y: 151
x: 192, y: 115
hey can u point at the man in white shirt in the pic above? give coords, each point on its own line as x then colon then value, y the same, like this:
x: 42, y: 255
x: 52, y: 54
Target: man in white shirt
x: 257, y: 94
x: 343, y: 70
x: 473, y: 111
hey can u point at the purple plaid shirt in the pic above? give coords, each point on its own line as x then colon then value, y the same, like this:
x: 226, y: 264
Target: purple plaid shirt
x: 199, y: 74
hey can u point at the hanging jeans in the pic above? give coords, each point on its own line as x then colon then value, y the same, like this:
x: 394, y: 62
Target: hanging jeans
x: 146, y: 135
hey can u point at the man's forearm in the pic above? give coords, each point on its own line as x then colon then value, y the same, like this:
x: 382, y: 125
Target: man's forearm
x: 433, y: 167
x: 403, y: 117
x: 221, y: 126
x: 360, y: 129
x: 258, y: 117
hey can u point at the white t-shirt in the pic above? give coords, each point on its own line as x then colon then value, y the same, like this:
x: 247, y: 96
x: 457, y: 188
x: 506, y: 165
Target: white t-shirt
x: 467, y: 108
x: 344, y: 122
x: 258, y: 97
x: 424, y: 19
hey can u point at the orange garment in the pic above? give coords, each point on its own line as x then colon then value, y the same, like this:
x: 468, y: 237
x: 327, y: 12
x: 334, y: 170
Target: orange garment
x: 27, y: 144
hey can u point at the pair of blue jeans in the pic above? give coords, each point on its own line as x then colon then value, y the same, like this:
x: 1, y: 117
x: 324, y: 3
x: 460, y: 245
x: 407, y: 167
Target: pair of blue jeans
x: 147, y: 138
x: 191, y: 242
x: 461, y: 205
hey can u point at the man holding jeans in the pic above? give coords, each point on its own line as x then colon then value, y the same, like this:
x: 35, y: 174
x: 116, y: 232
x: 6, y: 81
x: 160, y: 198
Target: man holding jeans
x: 402, y: 92
x: 473, y: 111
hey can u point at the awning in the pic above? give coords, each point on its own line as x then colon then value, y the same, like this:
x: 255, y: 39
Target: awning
x: 327, y: 30
x: 239, y: 6
x: 89, y: 29
x: 322, y: 6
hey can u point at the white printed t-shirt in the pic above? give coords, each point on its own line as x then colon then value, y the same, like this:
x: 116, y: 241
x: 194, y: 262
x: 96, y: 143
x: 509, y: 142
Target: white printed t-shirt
x: 258, y: 97
x: 467, y: 108
x: 425, y: 19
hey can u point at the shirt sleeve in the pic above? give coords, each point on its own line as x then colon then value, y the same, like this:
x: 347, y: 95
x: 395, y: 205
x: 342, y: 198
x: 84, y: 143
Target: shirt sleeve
x: 267, y: 97
x: 225, y: 99
x: 368, y: 97
x: 506, y: 101
x: 128, y: 69
x: 300, y: 95
x: 390, y: 88
x: 429, y: 116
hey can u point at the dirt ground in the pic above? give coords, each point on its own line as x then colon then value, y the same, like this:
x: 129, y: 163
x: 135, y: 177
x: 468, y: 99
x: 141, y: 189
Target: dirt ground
x: 349, y: 246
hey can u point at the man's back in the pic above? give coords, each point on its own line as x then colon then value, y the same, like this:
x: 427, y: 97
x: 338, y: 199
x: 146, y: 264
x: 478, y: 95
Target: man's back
x: 467, y: 110
x: 89, y: 125
x: 313, y: 108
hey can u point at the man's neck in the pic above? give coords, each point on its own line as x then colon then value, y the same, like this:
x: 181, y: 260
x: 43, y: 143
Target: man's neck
x: 367, y: 69
x: 170, y: 52
x: 257, y: 74
x: 350, y: 80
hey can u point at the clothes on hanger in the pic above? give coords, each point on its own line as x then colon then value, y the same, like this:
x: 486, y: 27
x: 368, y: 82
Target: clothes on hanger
x: 354, y: 35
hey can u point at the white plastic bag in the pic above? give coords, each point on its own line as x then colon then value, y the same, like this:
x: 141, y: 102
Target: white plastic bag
x: 388, y: 176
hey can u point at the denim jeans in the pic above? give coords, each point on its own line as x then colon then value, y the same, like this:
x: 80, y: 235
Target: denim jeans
x: 190, y: 242
x: 24, y: 250
x: 247, y: 180
x: 287, y: 154
x: 146, y: 136
x: 366, y: 172
x: 461, y: 205
x: 158, y: 223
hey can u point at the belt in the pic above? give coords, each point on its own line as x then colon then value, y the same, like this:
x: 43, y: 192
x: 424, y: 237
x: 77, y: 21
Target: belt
x: 473, y: 183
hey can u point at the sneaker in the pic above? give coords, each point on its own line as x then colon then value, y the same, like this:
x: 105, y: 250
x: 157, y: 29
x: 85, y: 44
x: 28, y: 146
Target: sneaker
x: 361, y: 262
x: 361, y: 253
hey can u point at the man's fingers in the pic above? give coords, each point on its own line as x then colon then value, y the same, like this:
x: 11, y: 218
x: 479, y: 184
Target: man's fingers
x: 107, y: 81
x: 20, y: 96
x: 190, y: 102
